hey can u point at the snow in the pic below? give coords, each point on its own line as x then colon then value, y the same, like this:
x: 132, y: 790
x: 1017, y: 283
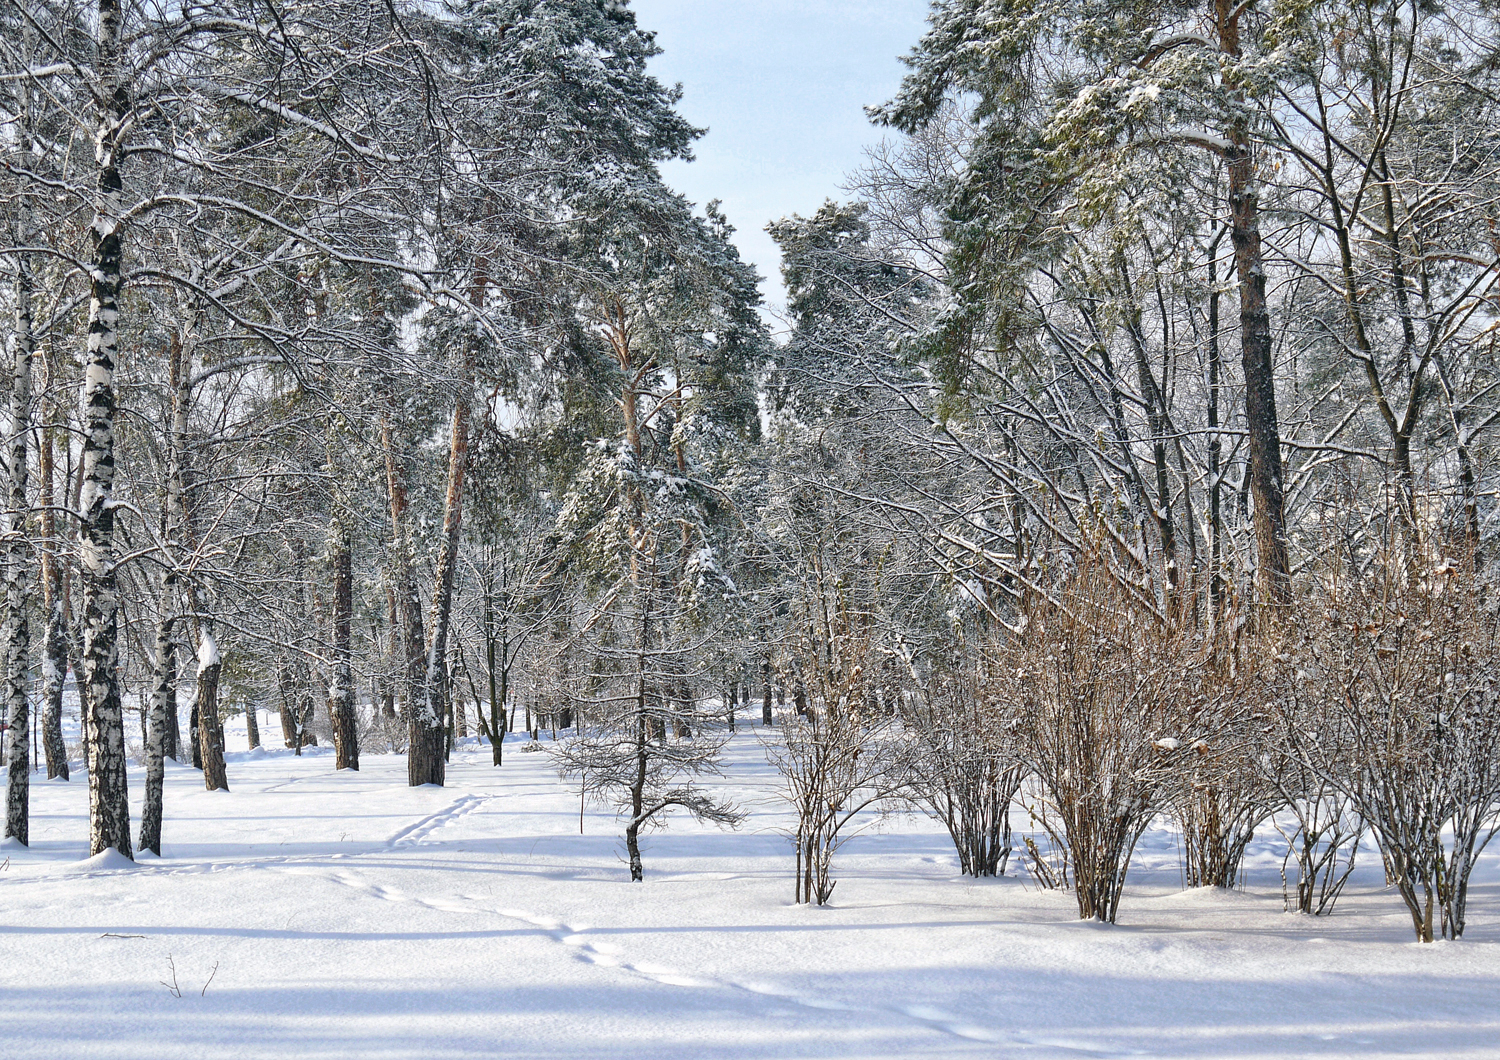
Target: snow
x: 208, y: 651
x: 311, y: 914
x: 110, y: 860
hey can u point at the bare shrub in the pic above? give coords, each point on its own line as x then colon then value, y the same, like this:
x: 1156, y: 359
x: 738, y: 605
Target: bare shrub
x: 963, y: 770
x: 833, y: 765
x: 1222, y: 795
x: 835, y: 758
x: 1047, y: 867
x: 1104, y: 711
x: 1402, y: 673
x: 1323, y: 825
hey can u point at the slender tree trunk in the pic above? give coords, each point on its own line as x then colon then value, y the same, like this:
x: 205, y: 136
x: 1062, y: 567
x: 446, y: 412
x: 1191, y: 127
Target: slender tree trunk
x: 408, y: 605
x: 252, y: 725
x: 1215, y: 443
x: 208, y: 726
x: 109, y: 807
x: 393, y: 654
x: 1468, y: 485
x: 172, y: 733
x: 307, y: 705
x: 163, y: 694
x: 425, y: 757
x: 1406, y: 477
x: 55, y: 637
x: 1156, y: 419
x: 72, y: 619
x: 341, y: 692
x: 1273, y: 567
x: 638, y: 781
x: 497, y: 695
x: 286, y: 689
x: 18, y: 552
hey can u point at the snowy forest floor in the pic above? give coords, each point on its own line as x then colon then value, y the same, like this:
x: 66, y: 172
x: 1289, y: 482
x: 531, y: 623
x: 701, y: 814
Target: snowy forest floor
x: 313, y: 914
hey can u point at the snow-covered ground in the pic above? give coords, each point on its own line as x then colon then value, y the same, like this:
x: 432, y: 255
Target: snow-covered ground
x: 313, y: 914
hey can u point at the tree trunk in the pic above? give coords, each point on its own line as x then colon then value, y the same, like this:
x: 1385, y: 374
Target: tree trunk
x: 307, y: 706
x: 341, y: 692
x: 54, y: 672
x: 497, y: 695
x: 424, y: 741
x: 17, y: 549
x: 72, y: 616
x: 18, y: 563
x: 288, y: 711
x: 109, y: 806
x: 55, y: 637
x: 252, y: 725
x: 1159, y: 426
x: 163, y: 698
x: 1273, y: 568
x: 638, y: 787
x: 210, y: 728
x: 393, y: 655
x: 1468, y: 486
x: 1215, y: 443
x: 425, y: 756
x: 173, y: 734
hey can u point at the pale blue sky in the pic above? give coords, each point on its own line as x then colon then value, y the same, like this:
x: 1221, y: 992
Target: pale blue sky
x: 781, y: 85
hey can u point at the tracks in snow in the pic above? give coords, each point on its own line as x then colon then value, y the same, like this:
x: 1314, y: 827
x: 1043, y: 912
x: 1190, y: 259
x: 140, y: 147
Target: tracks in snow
x: 413, y: 834
x: 585, y: 946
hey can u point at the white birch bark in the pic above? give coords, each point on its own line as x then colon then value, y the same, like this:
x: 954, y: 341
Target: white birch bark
x: 109, y: 808
x: 17, y: 549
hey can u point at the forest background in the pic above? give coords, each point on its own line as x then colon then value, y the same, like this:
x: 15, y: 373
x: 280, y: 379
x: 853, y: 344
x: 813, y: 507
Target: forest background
x: 1133, y: 434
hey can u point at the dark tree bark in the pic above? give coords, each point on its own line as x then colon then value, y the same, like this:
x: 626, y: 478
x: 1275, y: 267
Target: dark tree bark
x: 162, y: 728
x: 290, y: 733
x: 424, y: 726
x: 54, y: 592
x: 426, y: 757
x: 1273, y: 567
x: 638, y: 787
x: 498, y: 689
x: 341, y: 692
x: 1215, y: 442
x: 252, y: 726
x: 55, y: 636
